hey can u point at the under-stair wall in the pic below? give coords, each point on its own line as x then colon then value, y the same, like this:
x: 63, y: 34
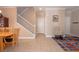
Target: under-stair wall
x: 26, y: 18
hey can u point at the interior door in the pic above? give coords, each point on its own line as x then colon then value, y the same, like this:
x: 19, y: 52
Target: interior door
x: 40, y: 22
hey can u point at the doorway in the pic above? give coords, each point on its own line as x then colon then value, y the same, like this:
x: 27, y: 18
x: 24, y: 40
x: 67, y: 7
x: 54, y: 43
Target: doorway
x: 40, y: 21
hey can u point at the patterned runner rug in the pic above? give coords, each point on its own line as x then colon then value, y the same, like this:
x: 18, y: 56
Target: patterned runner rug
x: 69, y: 44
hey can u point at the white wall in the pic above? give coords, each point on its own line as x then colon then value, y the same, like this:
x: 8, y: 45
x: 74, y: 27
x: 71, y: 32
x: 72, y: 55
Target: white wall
x: 29, y: 14
x: 67, y: 25
x: 52, y: 28
x: 71, y: 16
x: 67, y: 22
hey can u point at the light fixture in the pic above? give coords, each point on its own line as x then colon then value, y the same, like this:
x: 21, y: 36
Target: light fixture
x: 40, y: 9
x: 0, y: 11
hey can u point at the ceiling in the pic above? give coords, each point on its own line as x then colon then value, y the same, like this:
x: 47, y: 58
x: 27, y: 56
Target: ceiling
x: 66, y: 7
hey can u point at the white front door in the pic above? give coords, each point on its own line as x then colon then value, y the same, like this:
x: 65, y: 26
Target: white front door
x: 40, y: 23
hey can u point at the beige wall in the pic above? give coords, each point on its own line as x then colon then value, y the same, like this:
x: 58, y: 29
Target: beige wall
x: 23, y: 32
x: 11, y: 13
x: 29, y: 15
x: 75, y: 18
x: 51, y: 27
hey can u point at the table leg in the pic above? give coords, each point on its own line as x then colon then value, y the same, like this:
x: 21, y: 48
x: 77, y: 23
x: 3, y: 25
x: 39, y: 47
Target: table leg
x: 1, y: 44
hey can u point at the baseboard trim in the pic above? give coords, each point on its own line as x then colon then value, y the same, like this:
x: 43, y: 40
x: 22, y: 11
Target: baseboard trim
x: 26, y: 37
x: 49, y: 35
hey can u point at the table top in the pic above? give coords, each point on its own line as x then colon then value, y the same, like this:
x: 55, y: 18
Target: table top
x: 5, y: 34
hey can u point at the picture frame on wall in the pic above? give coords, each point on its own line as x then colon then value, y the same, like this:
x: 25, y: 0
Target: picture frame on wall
x: 55, y: 18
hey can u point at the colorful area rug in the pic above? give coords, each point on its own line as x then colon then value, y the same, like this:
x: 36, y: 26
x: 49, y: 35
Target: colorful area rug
x: 69, y: 44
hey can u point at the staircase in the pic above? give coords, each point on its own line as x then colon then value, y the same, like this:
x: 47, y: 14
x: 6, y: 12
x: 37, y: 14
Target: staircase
x: 24, y: 21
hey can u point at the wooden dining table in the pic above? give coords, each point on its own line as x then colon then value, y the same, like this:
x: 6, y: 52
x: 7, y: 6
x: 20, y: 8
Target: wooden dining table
x: 2, y: 36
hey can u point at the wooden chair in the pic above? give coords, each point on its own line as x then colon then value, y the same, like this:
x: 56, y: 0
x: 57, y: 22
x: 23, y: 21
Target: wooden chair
x: 1, y: 30
x: 12, y: 40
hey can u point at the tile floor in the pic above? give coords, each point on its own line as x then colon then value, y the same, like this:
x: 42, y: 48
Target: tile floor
x: 40, y: 44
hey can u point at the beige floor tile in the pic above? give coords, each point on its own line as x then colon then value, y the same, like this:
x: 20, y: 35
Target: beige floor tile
x: 40, y: 44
